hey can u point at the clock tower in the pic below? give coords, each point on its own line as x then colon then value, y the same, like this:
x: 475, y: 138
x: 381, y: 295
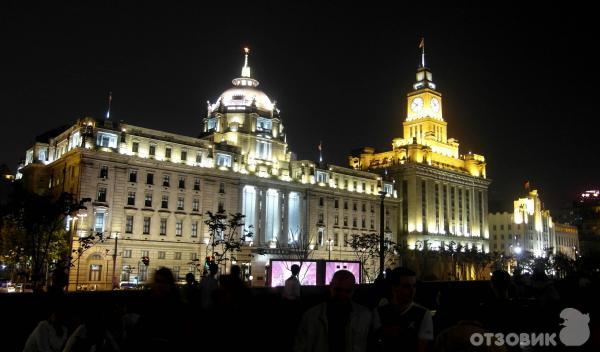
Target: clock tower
x: 424, y: 109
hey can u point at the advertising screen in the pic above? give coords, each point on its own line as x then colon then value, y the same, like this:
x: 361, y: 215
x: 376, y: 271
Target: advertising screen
x: 281, y: 271
x: 332, y: 267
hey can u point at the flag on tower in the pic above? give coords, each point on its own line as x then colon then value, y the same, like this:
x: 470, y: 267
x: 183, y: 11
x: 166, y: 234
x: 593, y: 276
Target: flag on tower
x: 422, y: 43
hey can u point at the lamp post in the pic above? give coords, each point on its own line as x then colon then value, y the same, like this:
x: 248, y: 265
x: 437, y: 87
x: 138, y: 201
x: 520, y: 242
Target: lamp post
x: 381, y: 236
x: 114, y: 277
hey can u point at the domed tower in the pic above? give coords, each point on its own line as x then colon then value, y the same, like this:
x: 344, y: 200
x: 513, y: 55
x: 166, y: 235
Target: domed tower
x: 244, y: 117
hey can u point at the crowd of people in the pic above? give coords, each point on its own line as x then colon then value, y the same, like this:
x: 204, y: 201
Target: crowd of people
x: 221, y: 312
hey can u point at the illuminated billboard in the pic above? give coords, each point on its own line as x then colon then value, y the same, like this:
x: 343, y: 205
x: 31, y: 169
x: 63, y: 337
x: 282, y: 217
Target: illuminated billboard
x: 281, y: 270
x: 332, y: 266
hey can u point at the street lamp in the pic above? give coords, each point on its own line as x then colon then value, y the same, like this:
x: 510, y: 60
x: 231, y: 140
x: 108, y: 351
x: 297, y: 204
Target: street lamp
x: 114, y: 277
x: 382, y: 194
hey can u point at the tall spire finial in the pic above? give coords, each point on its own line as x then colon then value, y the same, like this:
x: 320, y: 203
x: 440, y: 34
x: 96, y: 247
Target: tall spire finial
x: 246, y: 69
x: 422, y: 47
x: 109, y: 103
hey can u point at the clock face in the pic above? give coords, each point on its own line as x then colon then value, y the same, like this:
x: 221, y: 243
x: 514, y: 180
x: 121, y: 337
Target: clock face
x: 417, y: 104
x: 435, y: 105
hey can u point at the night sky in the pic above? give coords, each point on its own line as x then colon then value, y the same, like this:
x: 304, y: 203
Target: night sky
x: 518, y: 84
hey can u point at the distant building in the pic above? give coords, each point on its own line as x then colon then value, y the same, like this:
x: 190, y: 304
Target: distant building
x: 567, y: 240
x: 530, y: 228
x: 586, y: 214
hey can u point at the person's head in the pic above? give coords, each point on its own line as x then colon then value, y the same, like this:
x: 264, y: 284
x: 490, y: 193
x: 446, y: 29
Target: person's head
x: 342, y: 286
x: 163, y: 283
x: 236, y: 271
x: 403, y: 285
x: 213, y: 268
x: 500, y: 283
x: 190, y: 278
x: 295, y: 269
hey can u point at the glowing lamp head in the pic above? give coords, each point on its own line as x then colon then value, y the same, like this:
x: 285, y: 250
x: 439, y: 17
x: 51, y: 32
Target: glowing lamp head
x: 517, y: 250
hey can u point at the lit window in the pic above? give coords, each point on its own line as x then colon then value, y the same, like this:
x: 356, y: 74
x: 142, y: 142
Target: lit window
x: 107, y: 140
x: 223, y: 160
x: 99, y: 223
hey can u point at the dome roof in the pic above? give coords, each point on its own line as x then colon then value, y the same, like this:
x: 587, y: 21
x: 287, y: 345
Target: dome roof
x: 244, y: 96
x: 243, y: 93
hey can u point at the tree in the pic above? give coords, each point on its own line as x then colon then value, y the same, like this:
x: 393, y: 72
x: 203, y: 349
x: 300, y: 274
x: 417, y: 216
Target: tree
x: 366, y: 249
x: 227, y: 236
x: 299, y: 249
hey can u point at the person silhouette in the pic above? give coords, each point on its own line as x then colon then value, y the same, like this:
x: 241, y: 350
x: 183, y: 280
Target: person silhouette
x: 339, y: 324
x: 291, y: 290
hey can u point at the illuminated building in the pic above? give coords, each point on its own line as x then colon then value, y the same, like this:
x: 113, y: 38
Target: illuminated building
x: 530, y: 228
x: 444, y: 193
x: 153, y: 189
x: 586, y: 211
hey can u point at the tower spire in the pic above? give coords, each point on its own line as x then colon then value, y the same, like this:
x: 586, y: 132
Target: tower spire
x: 422, y: 47
x: 246, y: 68
x: 109, y: 103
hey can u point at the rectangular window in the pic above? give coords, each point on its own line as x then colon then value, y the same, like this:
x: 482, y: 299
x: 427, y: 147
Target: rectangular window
x: 152, y: 150
x: 102, y: 194
x: 199, y: 158
x: 353, y: 222
x: 336, y: 203
x: 336, y: 219
x: 263, y: 124
x: 104, y: 171
x: 221, y: 187
x: 320, y: 218
x: 180, y: 203
x: 345, y: 240
x: 95, y: 272
x: 130, y: 198
x: 372, y: 224
x: 354, y: 206
x: 196, y: 204
x: 148, y: 200
x: 196, y: 183
x: 195, y: 229
x: 221, y: 208
x: 135, y: 147
x: 179, y: 228
x: 345, y: 205
x: 168, y: 153
x: 129, y: 224
x: 193, y: 256
x: 364, y: 223
x: 320, y: 201
x: 166, y: 180
x: 161, y: 255
x: 127, y: 253
x: 183, y: 156
x: 99, y: 223
x: 150, y: 178
x: 108, y: 140
x: 146, y: 226
x: 165, y: 202
x: 177, y: 256
x: 364, y: 207
x: 345, y: 221
x: 224, y: 160
x: 163, y: 227
x: 181, y: 182
x: 132, y: 175
x: 263, y: 150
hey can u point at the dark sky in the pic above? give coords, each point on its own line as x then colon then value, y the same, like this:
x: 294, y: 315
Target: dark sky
x: 518, y: 83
